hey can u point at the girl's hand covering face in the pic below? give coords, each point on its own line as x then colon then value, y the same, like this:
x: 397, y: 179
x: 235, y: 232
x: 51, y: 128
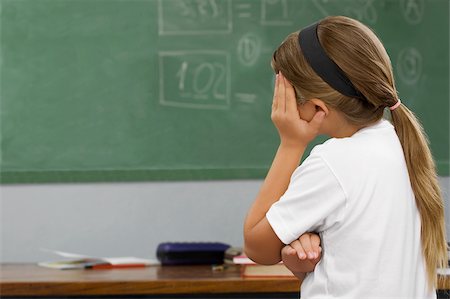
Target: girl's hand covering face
x: 293, y: 130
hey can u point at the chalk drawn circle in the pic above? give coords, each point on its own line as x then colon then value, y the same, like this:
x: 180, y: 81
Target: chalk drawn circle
x: 249, y: 49
x: 412, y: 10
x: 409, y: 65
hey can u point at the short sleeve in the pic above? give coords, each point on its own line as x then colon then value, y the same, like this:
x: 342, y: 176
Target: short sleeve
x: 314, y: 201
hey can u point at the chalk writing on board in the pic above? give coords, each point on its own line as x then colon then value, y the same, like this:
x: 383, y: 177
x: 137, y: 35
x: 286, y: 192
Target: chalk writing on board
x: 248, y: 98
x: 181, y: 17
x: 275, y: 12
x: 194, y: 79
x: 412, y: 10
x: 409, y: 65
x: 244, y: 10
x: 365, y: 11
x: 249, y: 49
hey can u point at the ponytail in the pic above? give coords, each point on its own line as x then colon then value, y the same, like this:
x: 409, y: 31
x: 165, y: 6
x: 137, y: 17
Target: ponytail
x: 424, y: 183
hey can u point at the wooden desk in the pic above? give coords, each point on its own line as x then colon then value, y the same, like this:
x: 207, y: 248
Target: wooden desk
x: 24, y: 280
x: 31, y: 280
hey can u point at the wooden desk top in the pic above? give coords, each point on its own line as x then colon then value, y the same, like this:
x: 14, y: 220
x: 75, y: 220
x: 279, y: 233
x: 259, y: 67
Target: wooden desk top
x: 32, y: 280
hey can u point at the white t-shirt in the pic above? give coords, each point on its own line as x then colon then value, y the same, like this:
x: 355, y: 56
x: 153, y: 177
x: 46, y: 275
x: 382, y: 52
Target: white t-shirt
x: 355, y: 192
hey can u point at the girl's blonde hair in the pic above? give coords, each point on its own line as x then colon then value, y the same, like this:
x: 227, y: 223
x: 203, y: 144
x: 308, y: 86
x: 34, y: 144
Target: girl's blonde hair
x: 362, y: 57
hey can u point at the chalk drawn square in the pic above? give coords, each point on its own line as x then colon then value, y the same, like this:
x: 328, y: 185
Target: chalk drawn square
x: 191, y: 17
x: 276, y: 12
x: 194, y: 79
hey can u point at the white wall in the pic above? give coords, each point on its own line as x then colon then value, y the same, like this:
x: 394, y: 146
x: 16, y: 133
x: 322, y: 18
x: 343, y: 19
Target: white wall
x: 127, y: 219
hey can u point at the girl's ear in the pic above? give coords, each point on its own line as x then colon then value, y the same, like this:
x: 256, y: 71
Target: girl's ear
x: 320, y: 105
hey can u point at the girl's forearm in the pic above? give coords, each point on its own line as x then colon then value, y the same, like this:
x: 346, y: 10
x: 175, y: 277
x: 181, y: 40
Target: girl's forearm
x: 260, y: 241
x: 277, y: 180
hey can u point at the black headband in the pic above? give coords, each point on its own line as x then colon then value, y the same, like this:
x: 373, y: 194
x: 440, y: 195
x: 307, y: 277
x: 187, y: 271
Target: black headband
x: 326, y: 68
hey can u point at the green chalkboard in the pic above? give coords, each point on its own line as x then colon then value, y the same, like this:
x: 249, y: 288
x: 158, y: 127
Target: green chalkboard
x: 127, y: 90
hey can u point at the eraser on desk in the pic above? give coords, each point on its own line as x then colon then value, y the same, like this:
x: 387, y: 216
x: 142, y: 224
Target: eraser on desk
x: 187, y: 253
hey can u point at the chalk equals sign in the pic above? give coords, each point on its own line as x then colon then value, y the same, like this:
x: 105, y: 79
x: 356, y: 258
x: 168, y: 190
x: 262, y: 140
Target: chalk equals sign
x: 244, y: 10
x: 247, y: 98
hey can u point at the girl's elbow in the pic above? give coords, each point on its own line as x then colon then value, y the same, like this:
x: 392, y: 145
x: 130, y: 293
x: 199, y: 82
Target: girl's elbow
x: 261, y: 244
x: 261, y: 259
x: 259, y: 255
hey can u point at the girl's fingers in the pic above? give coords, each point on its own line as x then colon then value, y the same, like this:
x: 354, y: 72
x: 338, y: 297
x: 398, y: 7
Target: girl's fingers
x: 315, y: 242
x: 305, y: 240
x: 291, y: 103
x: 281, y: 93
x: 288, y: 250
x: 299, y: 249
x: 275, y: 92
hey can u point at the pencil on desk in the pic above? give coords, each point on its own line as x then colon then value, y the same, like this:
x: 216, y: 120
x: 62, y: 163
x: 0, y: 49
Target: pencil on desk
x: 110, y: 266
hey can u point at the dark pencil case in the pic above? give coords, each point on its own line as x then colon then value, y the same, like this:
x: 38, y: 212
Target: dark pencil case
x: 185, y: 253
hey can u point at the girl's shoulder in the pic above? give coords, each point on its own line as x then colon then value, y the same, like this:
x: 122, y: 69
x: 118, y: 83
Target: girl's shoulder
x: 332, y: 145
x: 363, y: 141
